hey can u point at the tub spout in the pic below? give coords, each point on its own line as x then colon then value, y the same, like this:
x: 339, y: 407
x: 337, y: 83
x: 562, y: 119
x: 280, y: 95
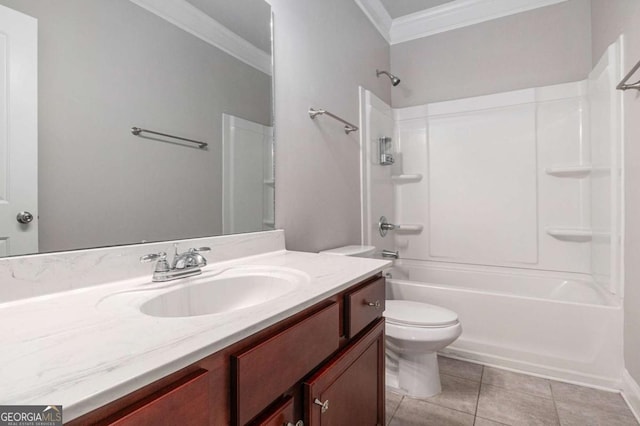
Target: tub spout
x: 389, y: 254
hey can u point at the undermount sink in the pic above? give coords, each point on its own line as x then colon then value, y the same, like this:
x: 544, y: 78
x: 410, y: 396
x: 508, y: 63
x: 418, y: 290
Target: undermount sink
x: 225, y: 293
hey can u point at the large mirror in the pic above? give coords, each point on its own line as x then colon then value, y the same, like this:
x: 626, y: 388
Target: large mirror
x: 82, y: 73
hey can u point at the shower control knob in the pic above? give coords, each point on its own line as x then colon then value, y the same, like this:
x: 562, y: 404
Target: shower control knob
x: 24, y: 217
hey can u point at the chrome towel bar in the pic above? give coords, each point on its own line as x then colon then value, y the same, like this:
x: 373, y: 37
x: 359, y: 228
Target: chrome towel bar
x: 348, y: 127
x: 137, y: 131
x: 623, y: 84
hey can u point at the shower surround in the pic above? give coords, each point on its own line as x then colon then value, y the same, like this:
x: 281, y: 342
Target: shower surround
x: 516, y: 211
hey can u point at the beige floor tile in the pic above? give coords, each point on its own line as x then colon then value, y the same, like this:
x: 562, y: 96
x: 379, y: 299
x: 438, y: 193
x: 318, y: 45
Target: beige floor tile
x: 575, y: 414
x: 515, y: 408
x: 462, y: 369
x: 415, y: 412
x: 517, y: 382
x: 392, y: 400
x: 484, y: 422
x: 458, y: 394
x: 608, y: 401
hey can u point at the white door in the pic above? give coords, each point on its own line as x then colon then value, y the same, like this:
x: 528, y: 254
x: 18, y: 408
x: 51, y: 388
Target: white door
x: 246, y: 175
x: 18, y: 132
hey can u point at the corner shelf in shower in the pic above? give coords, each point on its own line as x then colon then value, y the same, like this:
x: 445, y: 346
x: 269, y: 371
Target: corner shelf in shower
x: 578, y: 235
x: 406, y: 178
x: 576, y: 171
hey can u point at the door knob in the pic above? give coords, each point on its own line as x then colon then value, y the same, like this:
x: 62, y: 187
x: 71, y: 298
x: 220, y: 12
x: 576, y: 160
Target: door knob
x: 24, y: 217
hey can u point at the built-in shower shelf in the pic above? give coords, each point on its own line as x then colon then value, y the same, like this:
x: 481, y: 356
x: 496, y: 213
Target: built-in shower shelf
x: 409, y: 229
x: 578, y: 235
x: 406, y: 178
x: 577, y: 171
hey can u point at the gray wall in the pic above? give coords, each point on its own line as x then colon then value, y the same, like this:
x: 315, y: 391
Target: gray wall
x: 610, y: 18
x: 323, y: 51
x: 541, y: 47
x: 107, y: 65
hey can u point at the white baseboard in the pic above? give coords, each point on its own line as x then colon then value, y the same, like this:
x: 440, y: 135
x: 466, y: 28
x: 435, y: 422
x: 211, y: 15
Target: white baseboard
x: 631, y: 393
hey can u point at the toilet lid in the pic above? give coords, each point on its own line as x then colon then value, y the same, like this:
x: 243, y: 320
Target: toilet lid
x: 418, y: 314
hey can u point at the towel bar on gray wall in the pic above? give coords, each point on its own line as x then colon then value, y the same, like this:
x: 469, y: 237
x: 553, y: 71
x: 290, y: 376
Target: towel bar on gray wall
x: 137, y: 131
x: 623, y: 84
x: 348, y: 127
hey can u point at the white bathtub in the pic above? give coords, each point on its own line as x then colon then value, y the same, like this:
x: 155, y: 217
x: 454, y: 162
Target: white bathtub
x: 551, y: 324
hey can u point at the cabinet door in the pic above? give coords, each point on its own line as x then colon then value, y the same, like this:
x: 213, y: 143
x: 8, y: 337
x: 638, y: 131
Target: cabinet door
x: 351, y: 385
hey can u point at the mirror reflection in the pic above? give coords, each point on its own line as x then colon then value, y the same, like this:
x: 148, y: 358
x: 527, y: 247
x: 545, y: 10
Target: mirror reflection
x: 82, y: 73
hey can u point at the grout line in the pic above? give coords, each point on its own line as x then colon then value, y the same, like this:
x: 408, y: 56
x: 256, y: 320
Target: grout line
x: 556, y: 408
x: 396, y: 409
x: 475, y: 414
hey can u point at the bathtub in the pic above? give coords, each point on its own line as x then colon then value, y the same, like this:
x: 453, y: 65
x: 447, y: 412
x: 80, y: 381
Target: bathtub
x: 557, y: 325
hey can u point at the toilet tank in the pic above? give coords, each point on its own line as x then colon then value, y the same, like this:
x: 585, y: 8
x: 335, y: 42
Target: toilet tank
x: 355, y: 251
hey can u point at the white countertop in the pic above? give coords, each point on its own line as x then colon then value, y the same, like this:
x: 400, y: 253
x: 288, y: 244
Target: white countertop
x: 86, y: 347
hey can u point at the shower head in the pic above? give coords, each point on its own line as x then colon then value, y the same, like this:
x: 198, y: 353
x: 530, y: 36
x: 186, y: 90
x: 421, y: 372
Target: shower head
x: 394, y: 80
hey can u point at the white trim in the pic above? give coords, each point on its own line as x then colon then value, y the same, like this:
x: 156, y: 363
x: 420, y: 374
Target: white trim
x: 631, y: 393
x: 446, y: 17
x: 378, y: 15
x: 194, y: 21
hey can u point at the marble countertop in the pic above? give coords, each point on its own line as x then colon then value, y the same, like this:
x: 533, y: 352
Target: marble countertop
x: 86, y: 347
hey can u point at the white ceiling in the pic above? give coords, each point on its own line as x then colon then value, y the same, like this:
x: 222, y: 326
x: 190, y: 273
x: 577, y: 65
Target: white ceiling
x: 250, y: 19
x: 397, y: 8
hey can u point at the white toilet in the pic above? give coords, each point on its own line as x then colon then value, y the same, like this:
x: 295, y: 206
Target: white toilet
x: 415, y: 332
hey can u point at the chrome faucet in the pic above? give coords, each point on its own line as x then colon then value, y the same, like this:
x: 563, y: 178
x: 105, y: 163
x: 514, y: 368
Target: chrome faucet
x: 390, y: 254
x: 184, y: 265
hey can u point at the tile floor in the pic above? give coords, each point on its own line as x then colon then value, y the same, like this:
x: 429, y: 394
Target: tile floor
x: 484, y: 396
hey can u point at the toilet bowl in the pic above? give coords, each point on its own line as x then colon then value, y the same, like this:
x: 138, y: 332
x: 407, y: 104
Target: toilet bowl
x: 414, y: 333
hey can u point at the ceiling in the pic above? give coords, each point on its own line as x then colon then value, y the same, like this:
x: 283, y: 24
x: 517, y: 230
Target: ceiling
x: 397, y: 8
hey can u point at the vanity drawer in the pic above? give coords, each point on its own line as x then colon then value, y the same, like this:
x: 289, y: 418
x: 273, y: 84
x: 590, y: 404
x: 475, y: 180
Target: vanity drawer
x: 265, y: 371
x: 364, y: 305
x: 187, y: 399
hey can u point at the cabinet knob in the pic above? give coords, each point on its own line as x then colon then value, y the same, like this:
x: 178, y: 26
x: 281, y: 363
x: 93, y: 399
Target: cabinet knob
x: 375, y: 304
x: 298, y: 423
x: 324, y: 405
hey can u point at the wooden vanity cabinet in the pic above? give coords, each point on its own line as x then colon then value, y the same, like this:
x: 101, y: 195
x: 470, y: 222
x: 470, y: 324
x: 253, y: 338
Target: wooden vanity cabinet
x: 349, y: 389
x: 332, y: 350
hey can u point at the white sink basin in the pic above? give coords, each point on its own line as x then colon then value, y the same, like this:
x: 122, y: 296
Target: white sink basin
x: 228, y: 292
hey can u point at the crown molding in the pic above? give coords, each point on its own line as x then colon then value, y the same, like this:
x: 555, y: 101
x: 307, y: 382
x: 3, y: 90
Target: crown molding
x: 378, y: 15
x: 446, y: 17
x: 194, y: 21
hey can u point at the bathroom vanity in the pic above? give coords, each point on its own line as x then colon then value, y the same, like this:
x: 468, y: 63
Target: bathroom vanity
x: 313, y: 352
x: 324, y: 364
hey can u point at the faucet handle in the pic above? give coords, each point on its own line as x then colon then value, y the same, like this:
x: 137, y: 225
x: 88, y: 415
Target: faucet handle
x: 199, y: 249
x: 153, y: 256
x: 161, y: 257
